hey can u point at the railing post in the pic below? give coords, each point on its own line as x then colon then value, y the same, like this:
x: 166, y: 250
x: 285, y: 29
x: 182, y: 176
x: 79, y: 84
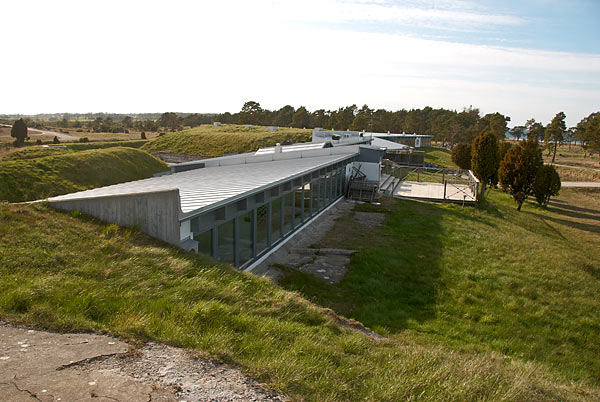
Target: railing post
x: 445, y: 189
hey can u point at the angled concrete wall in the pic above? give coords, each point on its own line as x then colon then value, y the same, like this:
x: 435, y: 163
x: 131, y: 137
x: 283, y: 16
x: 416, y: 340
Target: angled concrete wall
x: 156, y: 213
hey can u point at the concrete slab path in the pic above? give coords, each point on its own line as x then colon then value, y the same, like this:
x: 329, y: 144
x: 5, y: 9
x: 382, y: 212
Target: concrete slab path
x: 45, y: 366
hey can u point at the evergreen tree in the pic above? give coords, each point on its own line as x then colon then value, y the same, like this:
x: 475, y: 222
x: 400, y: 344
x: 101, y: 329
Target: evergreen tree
x: 547, y: 184
x: 519, y: 168
x: 461, y: 155
x: 485, y: 159
x: 19, y: 131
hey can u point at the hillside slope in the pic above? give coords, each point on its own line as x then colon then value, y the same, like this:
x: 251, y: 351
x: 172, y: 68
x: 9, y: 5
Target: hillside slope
x: 212, y: 141
x: 135, y: 287
x: 38, y: 178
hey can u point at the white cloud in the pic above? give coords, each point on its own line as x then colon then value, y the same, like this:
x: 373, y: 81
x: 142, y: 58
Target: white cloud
x: 210, y: 57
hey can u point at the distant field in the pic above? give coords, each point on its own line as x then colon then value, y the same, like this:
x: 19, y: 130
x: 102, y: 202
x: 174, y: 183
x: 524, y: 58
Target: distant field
x: 478, y: 304
x: 212, y: 141
x: 37, y: 178
x: 573, y: 164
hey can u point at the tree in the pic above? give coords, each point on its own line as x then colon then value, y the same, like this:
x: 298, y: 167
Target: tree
x: 169, y: 120
x: 588, y: 131
x: 534, y: 129
x: 362, y: 120
x: 547, y: 184
x: 301, y: 118
x: 485, y: 159
x: 519, y: 168
x: 283, y: 117
x: 555, y: 131
x: 251, y: 113
x: 503, y: 148
x: 496, y: 123
x: 517, y: 132
x: 19, y: 131
x: 143, y: 135
x: 461, y: 155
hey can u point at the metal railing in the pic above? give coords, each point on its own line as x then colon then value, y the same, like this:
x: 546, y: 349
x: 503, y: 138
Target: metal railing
x: 456, y: 182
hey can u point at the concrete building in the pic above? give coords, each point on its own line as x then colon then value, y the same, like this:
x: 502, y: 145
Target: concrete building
x: 234, y: 208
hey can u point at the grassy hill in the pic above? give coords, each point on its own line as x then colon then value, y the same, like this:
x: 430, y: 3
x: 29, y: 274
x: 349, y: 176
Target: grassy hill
x: 476, y: 304
x: 439, y: 156
x: 212, y: 141
x: 41, y: 177
x: 32, y: 152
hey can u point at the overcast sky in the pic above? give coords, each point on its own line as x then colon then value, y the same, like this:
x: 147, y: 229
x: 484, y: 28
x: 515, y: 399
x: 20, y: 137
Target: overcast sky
x: 527, y: 58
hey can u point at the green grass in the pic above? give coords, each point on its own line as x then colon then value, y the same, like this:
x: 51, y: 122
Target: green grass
x: 488, y: 280
x: 67, y: 272
x: 212, y: 141
x: 439, y: 156
x: 33, y: 179
x: 31, y: 152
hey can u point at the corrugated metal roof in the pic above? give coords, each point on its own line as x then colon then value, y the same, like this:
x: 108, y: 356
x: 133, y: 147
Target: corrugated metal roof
x: 210, y: 187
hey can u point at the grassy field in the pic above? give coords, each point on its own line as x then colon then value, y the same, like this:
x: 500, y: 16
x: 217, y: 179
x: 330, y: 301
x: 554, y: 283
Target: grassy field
x: 212, y: 141
x: 37, y: 178
x: 439, y: 156
x: 31, y: 152
x: 487, y: 280
x: 132, y: 286
x: 574, y: 164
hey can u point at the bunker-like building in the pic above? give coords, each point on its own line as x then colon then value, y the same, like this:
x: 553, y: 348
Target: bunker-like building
x: 233, y: 208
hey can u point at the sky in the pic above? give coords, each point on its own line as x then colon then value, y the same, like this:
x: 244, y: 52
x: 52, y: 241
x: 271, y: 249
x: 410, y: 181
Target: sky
x: 525, y: 59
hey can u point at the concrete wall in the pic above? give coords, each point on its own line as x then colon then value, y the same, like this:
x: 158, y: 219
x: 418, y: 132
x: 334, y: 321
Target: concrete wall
x: 156, y: 213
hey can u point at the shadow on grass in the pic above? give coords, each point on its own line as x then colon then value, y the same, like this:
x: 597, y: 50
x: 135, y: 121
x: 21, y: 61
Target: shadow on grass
x: 395, y: 278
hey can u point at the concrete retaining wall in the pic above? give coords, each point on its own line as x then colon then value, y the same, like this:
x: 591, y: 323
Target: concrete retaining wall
x: 156, y: 213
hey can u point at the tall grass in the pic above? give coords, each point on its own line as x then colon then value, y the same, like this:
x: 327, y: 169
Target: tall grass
x: 33, y: 179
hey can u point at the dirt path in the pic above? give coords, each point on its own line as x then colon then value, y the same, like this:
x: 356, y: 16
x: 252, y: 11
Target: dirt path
x: 45, y: 366
x: 61, y: 136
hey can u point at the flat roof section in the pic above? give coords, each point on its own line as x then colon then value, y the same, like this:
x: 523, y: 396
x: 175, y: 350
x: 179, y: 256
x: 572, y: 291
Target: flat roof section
x: 207, y: 188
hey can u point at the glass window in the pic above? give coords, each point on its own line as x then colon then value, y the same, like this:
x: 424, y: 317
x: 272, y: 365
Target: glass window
x: 298, y: 199
x: 262, y: 227
x: 204, y: 242
x: 306, y: 201
x: 275, y: 220
x: 246, y: 237
x: 226, y: 242
x: 315, y: 196
x: 323, y: 192
x: 288, y: 212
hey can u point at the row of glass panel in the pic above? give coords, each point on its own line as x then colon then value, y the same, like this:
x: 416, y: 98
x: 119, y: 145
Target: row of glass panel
x: 264, y: 226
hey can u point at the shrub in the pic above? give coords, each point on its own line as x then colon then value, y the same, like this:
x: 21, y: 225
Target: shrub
x: 547, y: 184
x: 461, y: 155
x: 38, y: 142
x: 503, y: 148
x: 19, y: 131
x: 55, y: 140
x: 84, y: 139
x: 143, y: 135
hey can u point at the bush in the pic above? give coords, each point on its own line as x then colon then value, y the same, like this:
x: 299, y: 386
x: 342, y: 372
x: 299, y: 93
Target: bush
x: 461, y: 155
x: 19, y: 131
x: 55, y: 140
x: 143, y: 135
x: 503, y: 148
x: 84, y: 139
x: 547, y: 184
x: 38, y: 142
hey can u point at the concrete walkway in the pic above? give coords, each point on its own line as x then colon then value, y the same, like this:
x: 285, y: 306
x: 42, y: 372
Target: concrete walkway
x: 583, y: 184
x: 45, y: 366
x: 434, y: 191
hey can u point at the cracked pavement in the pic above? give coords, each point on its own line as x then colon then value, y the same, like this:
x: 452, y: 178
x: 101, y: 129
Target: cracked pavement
x: 43, y: 366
